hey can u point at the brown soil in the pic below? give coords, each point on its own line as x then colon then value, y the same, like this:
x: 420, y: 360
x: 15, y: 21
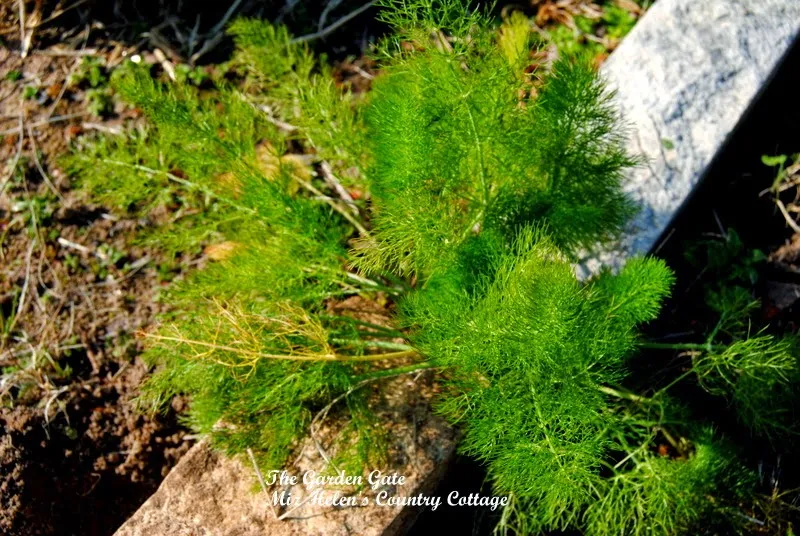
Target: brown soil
x: 75, y: 455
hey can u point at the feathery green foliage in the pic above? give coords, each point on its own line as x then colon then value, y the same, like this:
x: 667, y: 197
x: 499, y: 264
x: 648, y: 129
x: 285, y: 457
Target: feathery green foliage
x: 478, y: 199
x: 531, y: 352
x: 757, y: 372
x: 456, y: 152
x: 759, y: 375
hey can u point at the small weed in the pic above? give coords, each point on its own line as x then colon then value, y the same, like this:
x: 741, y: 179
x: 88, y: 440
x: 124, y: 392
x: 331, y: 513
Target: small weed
x: 91, y: 73
x: 728, y: 258
x: 109, y: 255
x: 72, y: 262
x: 194, y: 75
x: 13, y: 75
x: 478, y: 207
x: 99, y: 101
x: 618, y: 21
x: 166, y: 272
x: 785, y: 189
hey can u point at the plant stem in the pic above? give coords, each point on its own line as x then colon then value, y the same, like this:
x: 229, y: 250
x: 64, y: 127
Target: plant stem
x: 182, y: 182
x: 372, y: 344
x: 377, y: 357
x: 287, y: 357
x: 422, y: 365
x: 707, y: 347
x: 621, y: 393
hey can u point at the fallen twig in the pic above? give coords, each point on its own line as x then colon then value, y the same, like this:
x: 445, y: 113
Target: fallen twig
x: 787, y: 217
x: 333, y: 182
x: 329, y: 6
x: 73, y: 245
x: 33, y: 22
x: 335, y: 25
x: 17, y: 156
x: 23, y: 50
x: 40, y: 168
x: 261, y: 480
x: 60, y: 12
x: 215, y: 34
x: 165, y: 63
x: 116, y: 131
x: 55, y: 119
x: 287, y: 8
x: 66, y: 52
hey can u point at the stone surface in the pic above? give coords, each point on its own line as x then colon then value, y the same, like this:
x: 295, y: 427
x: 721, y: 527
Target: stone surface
x: 207, y: 494
x: 684, y: 77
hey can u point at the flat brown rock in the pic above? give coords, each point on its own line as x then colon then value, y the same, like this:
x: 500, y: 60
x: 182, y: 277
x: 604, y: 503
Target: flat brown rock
x: 207, y: 494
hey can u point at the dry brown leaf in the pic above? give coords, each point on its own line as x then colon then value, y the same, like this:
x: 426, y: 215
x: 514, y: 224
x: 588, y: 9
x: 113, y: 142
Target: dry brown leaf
x: 563, y: 11
x: 268, y: 160
x: 221, y: 251
x: 292, y: 165
x: 230, y: 182
x: 296, y: 166
x: 631, y: 6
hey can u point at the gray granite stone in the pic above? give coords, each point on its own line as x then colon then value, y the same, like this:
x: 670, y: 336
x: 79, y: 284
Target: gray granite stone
x: 684, y: 77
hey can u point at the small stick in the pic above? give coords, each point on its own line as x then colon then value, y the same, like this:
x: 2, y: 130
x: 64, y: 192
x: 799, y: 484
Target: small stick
x: 330, y: 6
x: 56, y: 119
x: 39, y: 166
x: 335, y: 25
x: 224, y: 20
x: 65, y: 52
x: 60, y: 12
x: 83, y: 249
x: 23, y: 50
x: 334, y: 183
x: 362, y: 72
x: 192, y: 41
x: 117, y: 131
x: 72, y: 245
x: 261, y: 480
x: 283, y: 125
x: 36, y: 18
x: 215, y: 33
x: 17, y: 156
x: 165, y: 63
x: 787, y: 217
x: 287, y: 8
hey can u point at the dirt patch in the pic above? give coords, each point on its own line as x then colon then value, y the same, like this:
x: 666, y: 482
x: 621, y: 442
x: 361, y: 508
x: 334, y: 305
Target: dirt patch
x: 76, y: 457
x: 90, y: 468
